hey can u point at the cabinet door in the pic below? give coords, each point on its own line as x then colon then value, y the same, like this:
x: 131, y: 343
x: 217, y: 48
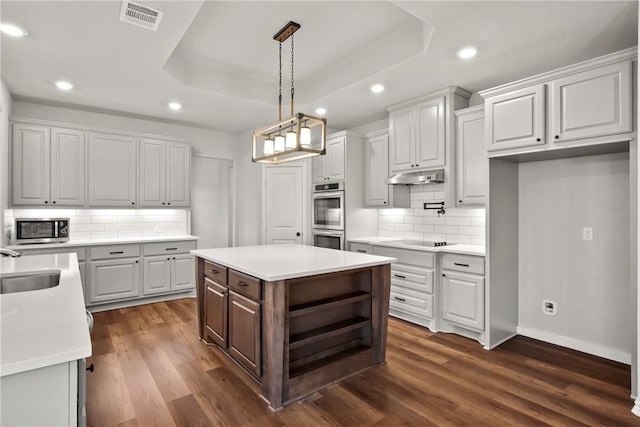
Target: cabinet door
x: 430, y: 139
x: 112, y: 170
x: 335, y: 158
x: 31, y: 165
x: 114, y: 280
x: 67, y: 167
x: 156, y: 275
x: 216, y: 313
x: 516, y: 119
x: 178, y: 174
x: 182, y: 269
x: 244, y: 332
x: 471, y: 159
x: 152, y: 173
x: 592, y: 103
x: 318, y: 168
x: 463, y: 299
x: 376, y: 153
x: 402, y: 136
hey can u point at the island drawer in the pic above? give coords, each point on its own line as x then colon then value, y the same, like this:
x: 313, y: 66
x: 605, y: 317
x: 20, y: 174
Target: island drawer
x: 407, y: 256
x: 463, y: 263
x: 215, y: 272
x: 114, y: 251
x: 245, y: 285
x: 164, y: 248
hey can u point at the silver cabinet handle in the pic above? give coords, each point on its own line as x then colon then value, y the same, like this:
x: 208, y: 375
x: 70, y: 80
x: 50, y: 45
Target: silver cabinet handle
x: 399, y: 276
x: 400, y: 299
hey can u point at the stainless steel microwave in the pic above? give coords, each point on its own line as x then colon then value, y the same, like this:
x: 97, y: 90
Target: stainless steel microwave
x: 41, y: 230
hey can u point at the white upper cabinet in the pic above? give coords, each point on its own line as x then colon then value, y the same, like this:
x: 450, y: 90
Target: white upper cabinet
x: 165, y: 172
x: 516, y: 119
x: 331, y: 166
x: 585, y: 104
x: 376, y: 153
x: 48, y: 166
x: 67, y: 167
x: 593, y: 103
x: 112, y: 170
x: 417, y: 136
x: 471, y: 162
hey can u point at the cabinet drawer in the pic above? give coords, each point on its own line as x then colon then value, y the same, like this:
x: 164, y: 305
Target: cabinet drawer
x: 407, y: 256
x: 245, y: 285
x: 164, y: 248
x: 463, y: 263
x: 420, y: 306
x: 215, y: 272
x: 363, y: 248
x: 419, y: 279
x: 115, y: 251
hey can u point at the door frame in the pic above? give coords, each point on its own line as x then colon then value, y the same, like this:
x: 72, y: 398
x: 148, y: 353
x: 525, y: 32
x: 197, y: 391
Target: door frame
x: 306, y: 199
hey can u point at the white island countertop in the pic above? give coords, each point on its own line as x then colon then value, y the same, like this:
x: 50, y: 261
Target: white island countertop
x: 43, y: 327
x: 288, y: 261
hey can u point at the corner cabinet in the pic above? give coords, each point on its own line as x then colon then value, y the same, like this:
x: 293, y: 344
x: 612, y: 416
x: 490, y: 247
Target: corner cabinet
x: 585, y: 104
x: 48, y: 166
x: 112, y: 170
x: 331, y: 166
x: 471, y: 159
x: 165, y: 171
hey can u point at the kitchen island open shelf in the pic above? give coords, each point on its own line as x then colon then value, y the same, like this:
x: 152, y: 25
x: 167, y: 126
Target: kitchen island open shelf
x: 322, y: 318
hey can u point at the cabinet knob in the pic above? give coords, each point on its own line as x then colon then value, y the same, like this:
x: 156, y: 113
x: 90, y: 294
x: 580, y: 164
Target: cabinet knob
x: 174, y: 257
x: 298, y: 234
x: 384, y: 203
x: 168, y: 203
x: 163, y: 203
x: 91, y: 368
x: 557, y: 137
x: 459, y: 201
x: 168, y: 259
x: 45, y: 202
x: 443, y: 275
x: 53, y: 202
x: 136, y: 261
x: 538, y: 139
x: 133, y: 203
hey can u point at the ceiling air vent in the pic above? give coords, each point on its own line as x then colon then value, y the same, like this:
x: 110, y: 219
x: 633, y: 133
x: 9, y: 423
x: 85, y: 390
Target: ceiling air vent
x: 142, y: 16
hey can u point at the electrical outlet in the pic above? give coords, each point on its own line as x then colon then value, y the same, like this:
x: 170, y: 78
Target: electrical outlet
x: 549, y: 307
x: 587, y: 233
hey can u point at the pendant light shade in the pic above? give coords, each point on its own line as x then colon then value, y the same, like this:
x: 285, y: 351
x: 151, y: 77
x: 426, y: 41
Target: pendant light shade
x: 300, y: 128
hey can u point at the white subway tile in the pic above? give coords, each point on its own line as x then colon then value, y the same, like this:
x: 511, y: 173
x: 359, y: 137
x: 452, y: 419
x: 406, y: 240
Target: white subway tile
x: 153, y: 218
x: 412, y: 235
x: 472, y: 231
x: 403, y: 227
x: 451, y: 212
x: 478, y: 240
x: 476, y: 212
x: 478, y: 221
x: 117, y: 227
x: 457, y: 238
x: 80, y: 220
x: 80, y: 236
x: 458, y: 220
x: 423, y: 228
x: 129, y: 218
x: 413, y: 219
x: 434, y: 236
x: 151, y: 233
x: 130, y: 233
x: 104, y: 219
x: 90, y: 227
x: 438, y: 195
x: 446, y: 229
x: 104, y: 235
x: 174, y: 232
x: 386, y: 226
x: 435, y: 220
x: 93, y: 212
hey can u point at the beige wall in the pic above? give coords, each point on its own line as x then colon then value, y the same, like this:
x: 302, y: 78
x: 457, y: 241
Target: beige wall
x: 588, y: 280
x: 5, y: 111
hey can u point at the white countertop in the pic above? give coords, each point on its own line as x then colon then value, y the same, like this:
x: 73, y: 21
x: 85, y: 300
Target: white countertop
x: 114, y: 241
x: 287, y: 261
x: 44, y: 327
x: 455, y: 248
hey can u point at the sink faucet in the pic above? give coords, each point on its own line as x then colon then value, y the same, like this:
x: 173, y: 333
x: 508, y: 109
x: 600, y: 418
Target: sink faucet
x: 9, y: 252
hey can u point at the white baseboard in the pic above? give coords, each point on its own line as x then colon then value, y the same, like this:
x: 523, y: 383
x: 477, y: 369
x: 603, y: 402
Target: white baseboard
x: 575, y: 344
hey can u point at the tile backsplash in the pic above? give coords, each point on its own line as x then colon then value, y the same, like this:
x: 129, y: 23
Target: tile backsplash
x: 456, y: 225
x: 93, y: 224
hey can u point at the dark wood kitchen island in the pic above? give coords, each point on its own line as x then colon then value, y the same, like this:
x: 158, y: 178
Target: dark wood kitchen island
x: 297, y: 318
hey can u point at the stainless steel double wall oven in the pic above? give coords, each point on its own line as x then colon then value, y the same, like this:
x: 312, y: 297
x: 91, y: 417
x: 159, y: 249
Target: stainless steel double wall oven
x: 329, y: 215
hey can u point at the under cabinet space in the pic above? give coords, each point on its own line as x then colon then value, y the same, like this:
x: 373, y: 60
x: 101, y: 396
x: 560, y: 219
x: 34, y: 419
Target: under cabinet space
x: 328, y: 303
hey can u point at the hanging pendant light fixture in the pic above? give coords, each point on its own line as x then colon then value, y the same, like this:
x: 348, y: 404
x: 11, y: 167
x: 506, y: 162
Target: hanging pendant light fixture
x: 297, y: 137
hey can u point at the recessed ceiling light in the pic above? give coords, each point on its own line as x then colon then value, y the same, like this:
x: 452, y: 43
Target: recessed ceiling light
x: 467, y: 52
x: 62, y: 85
x: 378, y: 88
x: 12, y: 30
x: 321, y: 111
x: 175, y: 106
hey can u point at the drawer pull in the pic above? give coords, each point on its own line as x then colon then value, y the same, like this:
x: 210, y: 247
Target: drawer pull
x: 241, y: 283
x: 116, y: 253
x: 361, y: 250
x: 459, y: 264
x: 400, y: 276
x: 400, y: 299
x: 212, y: 271
x: 171, y: 249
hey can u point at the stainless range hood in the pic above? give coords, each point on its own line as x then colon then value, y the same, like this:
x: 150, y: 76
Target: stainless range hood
x: 418, y: 177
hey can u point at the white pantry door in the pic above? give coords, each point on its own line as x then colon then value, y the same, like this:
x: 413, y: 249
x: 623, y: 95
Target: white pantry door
x: 283, y: 204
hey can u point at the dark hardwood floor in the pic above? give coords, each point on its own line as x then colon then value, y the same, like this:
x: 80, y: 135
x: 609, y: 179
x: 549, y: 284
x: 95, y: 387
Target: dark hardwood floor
x: 151, y: 369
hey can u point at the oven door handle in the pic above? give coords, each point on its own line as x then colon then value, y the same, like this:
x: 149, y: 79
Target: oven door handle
x: 328, y: 194
x: 328, y: 233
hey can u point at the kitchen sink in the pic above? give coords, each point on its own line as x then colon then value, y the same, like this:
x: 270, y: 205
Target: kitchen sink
x: 30, y: 281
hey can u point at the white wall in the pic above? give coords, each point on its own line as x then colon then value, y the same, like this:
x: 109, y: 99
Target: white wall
x: 588, y: 280
x: 5, y: 112
x: 248, y: 201
x: 204, y: 141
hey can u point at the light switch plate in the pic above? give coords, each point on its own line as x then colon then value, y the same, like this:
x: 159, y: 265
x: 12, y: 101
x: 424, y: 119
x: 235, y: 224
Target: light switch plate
x: 587, y: 233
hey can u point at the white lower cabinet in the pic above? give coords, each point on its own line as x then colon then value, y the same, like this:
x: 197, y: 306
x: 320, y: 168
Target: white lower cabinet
x: 114, y: 279
x: 463, y: 291
x: 167, y: 273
